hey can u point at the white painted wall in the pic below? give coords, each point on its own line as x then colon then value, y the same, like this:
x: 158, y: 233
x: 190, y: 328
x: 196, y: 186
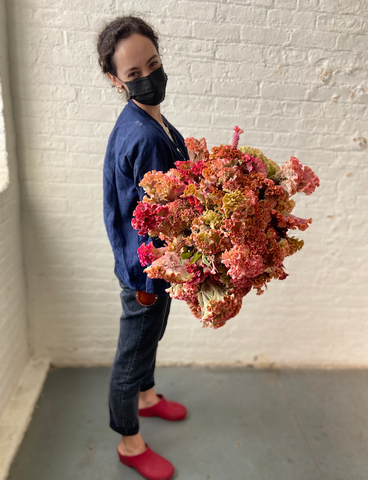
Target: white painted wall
x: 13, y: 326
x: 291, y: 73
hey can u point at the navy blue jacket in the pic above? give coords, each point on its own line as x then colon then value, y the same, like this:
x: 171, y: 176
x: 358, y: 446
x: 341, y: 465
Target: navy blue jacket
x: 137, y: 144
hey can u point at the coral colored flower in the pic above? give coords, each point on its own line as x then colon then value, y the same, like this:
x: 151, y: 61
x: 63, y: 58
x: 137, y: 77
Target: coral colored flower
x: 169, y: 268
x: 242, y: 262
x: 295, y: 179
x: 224, y: 216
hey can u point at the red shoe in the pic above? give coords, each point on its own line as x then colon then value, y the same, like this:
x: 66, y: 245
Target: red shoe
x: 149, y: 464
x: 164, y: 409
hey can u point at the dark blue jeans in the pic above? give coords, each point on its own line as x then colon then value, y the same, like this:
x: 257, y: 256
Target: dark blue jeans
x: 132, y: 372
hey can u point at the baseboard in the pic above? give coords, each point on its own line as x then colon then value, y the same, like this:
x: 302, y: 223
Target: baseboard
x: 19, y: 410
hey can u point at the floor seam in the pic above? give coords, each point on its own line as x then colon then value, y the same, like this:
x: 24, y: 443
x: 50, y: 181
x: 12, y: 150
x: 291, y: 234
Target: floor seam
x: 298, y: 423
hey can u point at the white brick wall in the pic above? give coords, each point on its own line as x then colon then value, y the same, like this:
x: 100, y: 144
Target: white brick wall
x: 13, y: 327
x: 291, y: 73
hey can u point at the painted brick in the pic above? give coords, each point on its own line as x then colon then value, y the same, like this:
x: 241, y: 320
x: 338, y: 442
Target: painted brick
x: 175, y: 28
x: 286, y: 4
x: 355, y: 43
x: 238, y: 53
x: 340, y: 23
x: 264, y: 36
x: 241, y: 14
x: 308, y: 5
x: 195, y: 86
x: 194, y: 11
x: 342, y: 6
x: 312, y: 39
x: 206, y: 31
x: 234, y: 88
x: 285, y: 92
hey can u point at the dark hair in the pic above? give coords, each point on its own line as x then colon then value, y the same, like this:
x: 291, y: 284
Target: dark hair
x: 121, y: 27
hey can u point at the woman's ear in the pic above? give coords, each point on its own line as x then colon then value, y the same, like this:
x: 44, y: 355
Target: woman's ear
x: 122, y: 88
x: 115, y: 80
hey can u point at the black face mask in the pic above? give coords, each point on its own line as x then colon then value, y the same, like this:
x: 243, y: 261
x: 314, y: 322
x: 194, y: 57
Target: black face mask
x: 149, y: 90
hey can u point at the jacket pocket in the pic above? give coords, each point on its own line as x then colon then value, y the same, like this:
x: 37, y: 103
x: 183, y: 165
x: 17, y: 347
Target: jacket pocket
x: 146, y: 299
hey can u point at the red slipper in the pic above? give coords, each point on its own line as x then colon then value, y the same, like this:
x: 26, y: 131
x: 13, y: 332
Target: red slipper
x: 149, y: 464
x: 164, y: 409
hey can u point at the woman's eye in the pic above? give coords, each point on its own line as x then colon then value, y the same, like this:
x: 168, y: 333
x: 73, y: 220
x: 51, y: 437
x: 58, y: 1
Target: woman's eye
x: 153, y: 64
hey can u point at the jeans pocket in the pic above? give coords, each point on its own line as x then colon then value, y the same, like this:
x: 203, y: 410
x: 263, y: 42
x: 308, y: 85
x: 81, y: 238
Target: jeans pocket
x: 145, y: 299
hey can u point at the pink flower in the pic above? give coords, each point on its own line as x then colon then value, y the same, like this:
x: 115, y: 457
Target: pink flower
x: 298, y: 180
x: 190, y: 170
x: 148, y: 217
x: 237, y: 132
x: 149, y: 253
x: 309, y: 181
x: 242, y: 262
x: 286, y: 220
x: 253, y: 164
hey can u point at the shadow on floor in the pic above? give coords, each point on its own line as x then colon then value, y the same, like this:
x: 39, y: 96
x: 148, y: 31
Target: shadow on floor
x: 241, y: 424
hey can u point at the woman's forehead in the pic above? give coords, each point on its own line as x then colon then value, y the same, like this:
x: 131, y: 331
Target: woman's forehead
x: 132, y: 51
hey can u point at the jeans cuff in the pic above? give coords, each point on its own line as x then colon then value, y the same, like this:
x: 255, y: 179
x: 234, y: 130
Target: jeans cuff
x: 147, y: 387
x: 124, y: 431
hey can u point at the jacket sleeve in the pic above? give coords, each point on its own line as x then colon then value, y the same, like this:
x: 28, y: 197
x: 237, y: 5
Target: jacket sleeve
x: 111, y: 211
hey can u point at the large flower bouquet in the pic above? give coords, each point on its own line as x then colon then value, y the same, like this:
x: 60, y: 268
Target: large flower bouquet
x: 224, y: 218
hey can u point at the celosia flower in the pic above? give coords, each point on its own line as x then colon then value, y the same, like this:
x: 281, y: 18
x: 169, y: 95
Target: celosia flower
x: 224, y: 217
x: 163, y: 187
x: 195, y: 203
x: 148, y: 218
x: 169, y: 268
x: 197, y: 149
x: 295, y: 179
x: 217, y: 304
x: 236, y: 201
x: 149, y: 253
x: 242, y: 262
x: 190, y: 170
x: 237, y: 132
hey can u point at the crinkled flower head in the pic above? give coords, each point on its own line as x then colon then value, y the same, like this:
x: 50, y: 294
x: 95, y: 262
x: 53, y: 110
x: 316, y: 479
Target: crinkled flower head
x: 242, y: 262
x: 294, y: 179
x: 149, y: 253
x: 163, y: 187
x: 217, y: 305
x: 169, y: 268
x: 149, y: 217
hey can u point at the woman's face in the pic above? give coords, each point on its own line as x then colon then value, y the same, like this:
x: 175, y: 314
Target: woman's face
x: 134, y: 57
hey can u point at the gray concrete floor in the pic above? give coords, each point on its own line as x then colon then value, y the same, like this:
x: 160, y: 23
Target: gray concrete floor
x: 241, y: 424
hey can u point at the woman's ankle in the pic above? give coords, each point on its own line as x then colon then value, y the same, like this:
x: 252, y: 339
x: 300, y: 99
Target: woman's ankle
x: 148, y: 398
x: 132, y: 444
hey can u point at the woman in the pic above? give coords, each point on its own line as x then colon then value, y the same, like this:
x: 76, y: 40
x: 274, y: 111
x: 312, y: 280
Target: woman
x: 141, y: 140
